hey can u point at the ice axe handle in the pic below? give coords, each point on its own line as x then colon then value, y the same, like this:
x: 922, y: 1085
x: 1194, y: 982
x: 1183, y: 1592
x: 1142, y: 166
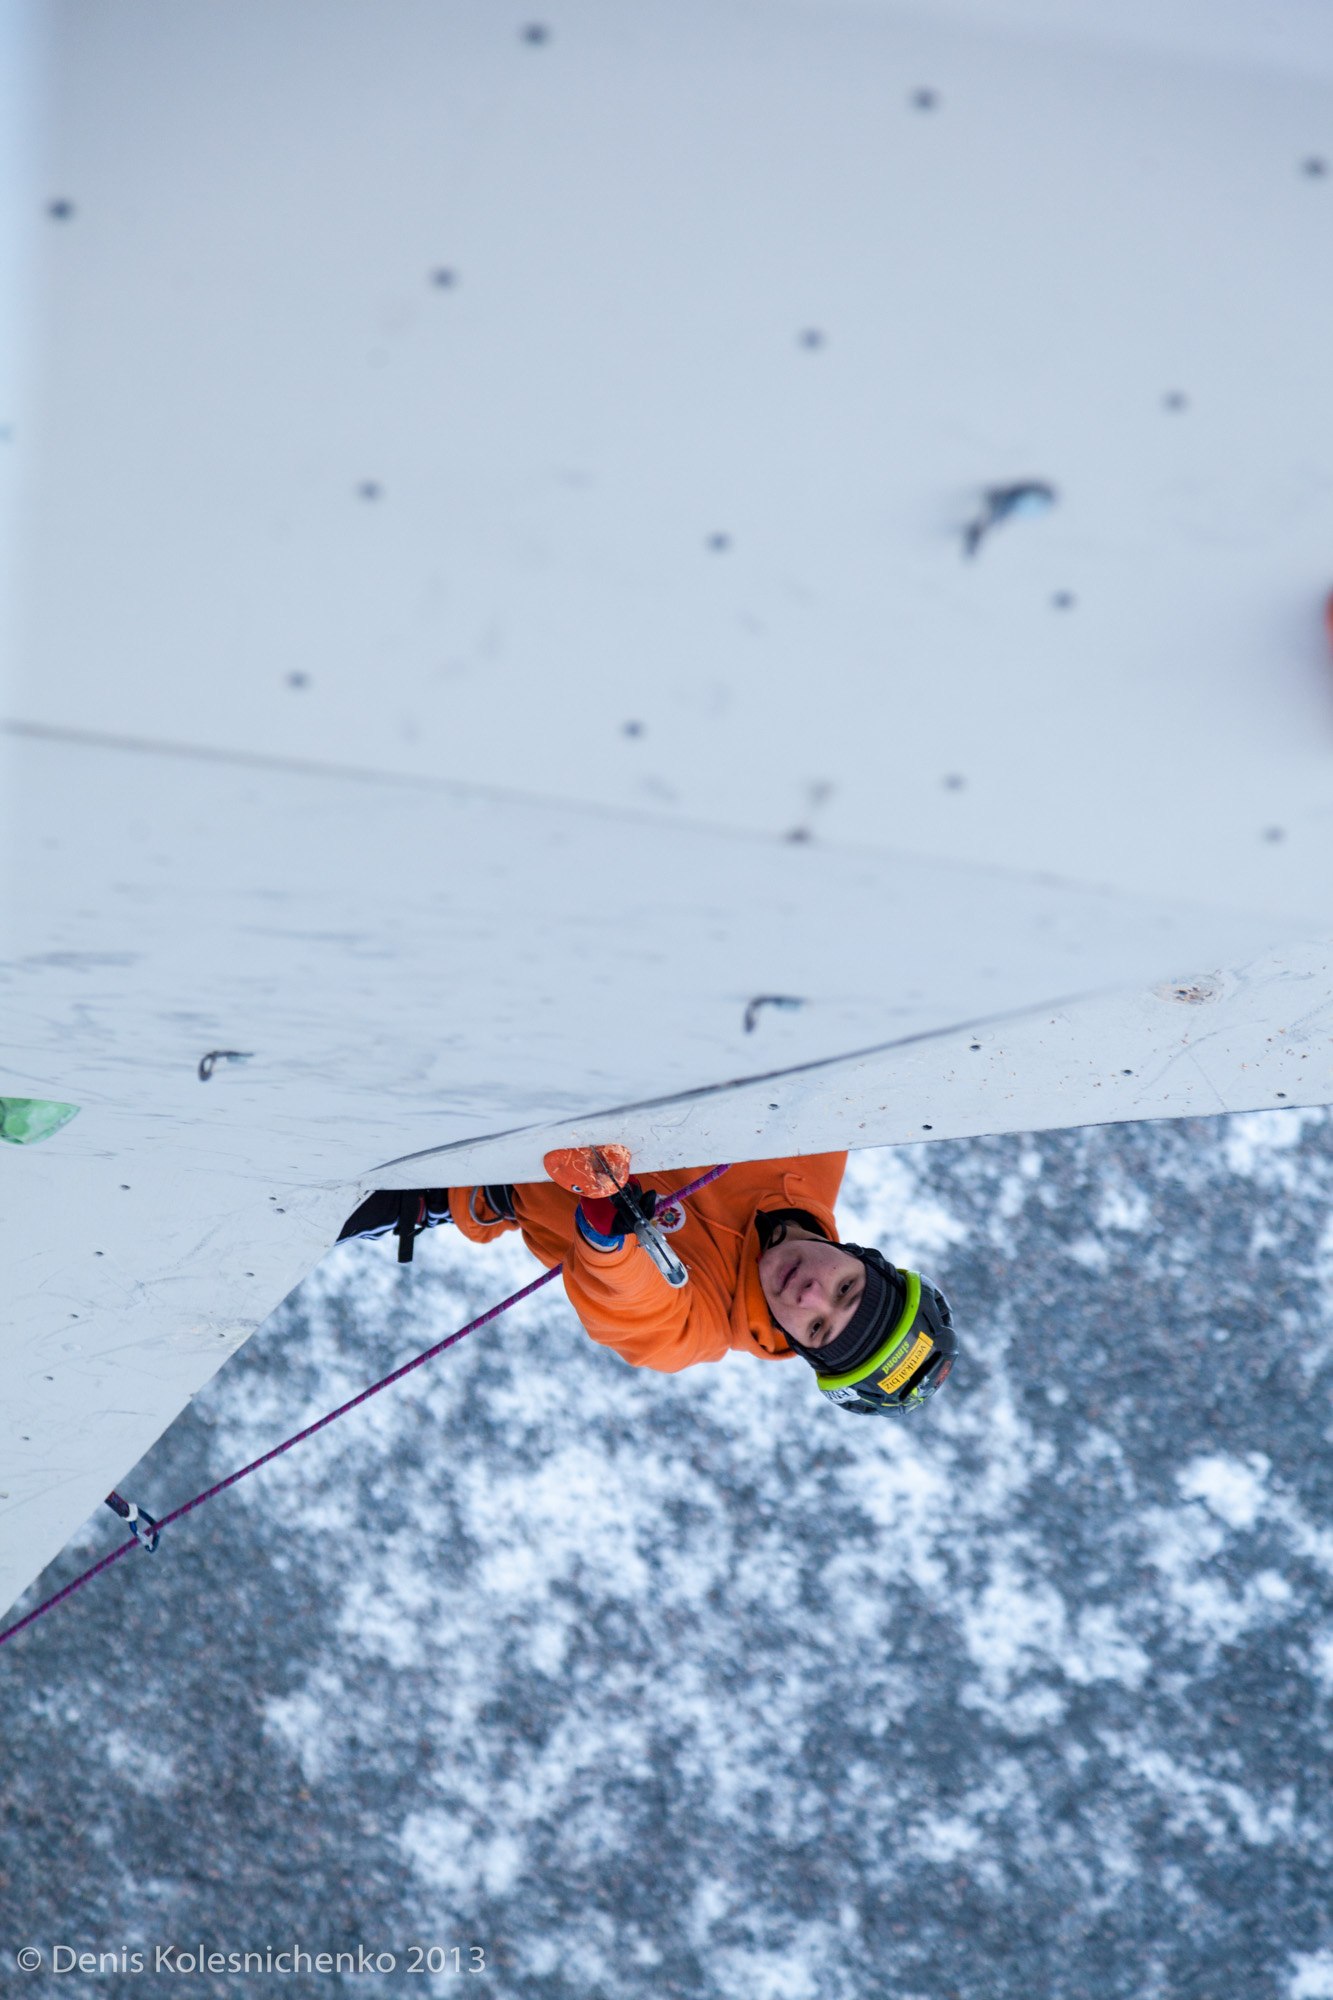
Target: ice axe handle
x: 651, y: 1239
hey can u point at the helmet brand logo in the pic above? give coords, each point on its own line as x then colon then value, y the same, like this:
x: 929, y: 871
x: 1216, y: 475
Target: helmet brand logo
x: 916, y: 1354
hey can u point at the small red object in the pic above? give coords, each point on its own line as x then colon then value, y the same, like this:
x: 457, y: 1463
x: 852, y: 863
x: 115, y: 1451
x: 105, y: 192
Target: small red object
x: 589, y: 1170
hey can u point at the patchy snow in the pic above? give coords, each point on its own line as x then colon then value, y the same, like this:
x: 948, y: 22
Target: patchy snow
x: 1321, y: 1658
x: 1194, y: 1798
x: 690, y: 1685
x: 1123, y: 1207
x: 144, y: 1767
x: 1264, y: 1146
x: 885, y: 1191
x: 1232, y: 1489
x: 1311, y: 1975
x: 454, y: 1862
x: 1324, y: 1261
x: 301, y: 1723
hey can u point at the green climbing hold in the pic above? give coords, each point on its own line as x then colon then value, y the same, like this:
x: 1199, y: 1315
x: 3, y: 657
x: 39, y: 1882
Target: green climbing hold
x: 25, y: 1120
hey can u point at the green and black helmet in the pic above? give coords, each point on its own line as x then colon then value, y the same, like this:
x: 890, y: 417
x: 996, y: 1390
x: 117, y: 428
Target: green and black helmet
x: 903, y: 1369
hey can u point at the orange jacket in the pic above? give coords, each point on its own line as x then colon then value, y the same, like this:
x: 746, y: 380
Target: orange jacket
x: 623, y: 1300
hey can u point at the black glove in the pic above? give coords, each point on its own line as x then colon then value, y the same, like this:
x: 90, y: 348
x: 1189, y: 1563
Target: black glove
x: 606, y: 1220
x: 405, y: 1212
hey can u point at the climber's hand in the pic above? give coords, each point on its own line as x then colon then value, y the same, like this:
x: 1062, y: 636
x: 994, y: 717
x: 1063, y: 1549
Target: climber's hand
x: 606, y: 1220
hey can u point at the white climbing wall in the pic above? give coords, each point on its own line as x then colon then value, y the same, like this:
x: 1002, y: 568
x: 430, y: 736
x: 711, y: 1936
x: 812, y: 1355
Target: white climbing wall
x: 488, y: 638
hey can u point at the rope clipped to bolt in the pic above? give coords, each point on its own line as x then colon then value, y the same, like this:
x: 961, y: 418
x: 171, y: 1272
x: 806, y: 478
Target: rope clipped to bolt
x: 146, y: 1531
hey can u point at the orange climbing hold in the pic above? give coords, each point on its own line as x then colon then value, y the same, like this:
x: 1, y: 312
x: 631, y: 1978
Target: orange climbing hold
x: 590, y: 1170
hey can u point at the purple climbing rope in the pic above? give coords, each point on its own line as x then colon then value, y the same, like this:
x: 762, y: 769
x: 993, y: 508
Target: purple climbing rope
x: 353, y: 1402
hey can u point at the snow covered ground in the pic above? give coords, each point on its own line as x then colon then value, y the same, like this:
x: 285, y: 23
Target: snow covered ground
x: 690, y: 1686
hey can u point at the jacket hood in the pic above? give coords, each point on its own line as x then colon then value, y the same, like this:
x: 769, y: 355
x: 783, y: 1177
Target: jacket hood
x: 751, y: 1322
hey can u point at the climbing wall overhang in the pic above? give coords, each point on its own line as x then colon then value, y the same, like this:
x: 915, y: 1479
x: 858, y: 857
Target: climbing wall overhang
x: 490, y: 645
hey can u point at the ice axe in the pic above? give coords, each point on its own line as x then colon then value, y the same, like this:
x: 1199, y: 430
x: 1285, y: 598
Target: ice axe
x: 602, y: 1172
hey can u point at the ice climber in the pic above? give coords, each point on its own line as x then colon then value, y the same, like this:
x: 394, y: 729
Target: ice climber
x: 767, y: 1274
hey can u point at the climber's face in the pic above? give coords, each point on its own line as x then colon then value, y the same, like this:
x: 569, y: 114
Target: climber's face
x: 812, y: 1287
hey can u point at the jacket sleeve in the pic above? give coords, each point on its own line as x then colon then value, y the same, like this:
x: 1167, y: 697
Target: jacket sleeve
x: 624, y: 1303
x: 460, y: 1211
